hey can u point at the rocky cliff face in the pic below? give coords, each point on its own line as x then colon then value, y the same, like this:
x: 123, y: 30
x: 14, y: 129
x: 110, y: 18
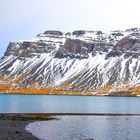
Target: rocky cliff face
x: 83, y: 62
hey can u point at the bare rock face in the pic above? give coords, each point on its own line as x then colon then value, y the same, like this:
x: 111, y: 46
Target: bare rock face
x: 53, y: 32
x: 129, y: 45
x: 28, y: 49
x: 75, y: 48
x: 133, y: 30
x: 79, y: 32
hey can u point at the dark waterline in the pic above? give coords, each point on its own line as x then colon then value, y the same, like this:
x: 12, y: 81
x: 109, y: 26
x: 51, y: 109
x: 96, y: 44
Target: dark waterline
x: 68, y: 104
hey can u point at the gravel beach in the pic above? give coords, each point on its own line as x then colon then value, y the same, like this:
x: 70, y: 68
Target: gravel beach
x: 14, y: 130
x: 12, y: 126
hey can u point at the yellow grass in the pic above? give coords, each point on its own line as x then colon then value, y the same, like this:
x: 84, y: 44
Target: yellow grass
x: 8, y: 85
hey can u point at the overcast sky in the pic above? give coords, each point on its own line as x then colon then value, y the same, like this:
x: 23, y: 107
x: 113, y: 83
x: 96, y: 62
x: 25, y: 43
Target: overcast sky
x: 23, y: 19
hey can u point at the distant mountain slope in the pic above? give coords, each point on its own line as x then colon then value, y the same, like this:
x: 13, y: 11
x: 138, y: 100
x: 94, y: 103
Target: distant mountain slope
x: 81, y: 62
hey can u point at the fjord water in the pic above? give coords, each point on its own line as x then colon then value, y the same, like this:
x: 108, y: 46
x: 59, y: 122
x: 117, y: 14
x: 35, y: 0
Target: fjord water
x: 87, y: 128
x: 78, y: 127
x: 68, y: 104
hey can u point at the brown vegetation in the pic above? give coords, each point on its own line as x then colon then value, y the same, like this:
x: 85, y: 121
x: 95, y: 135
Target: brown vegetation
x: 10, y: 86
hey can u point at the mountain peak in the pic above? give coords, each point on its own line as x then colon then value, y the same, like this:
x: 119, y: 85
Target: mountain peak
x: 86, y: 62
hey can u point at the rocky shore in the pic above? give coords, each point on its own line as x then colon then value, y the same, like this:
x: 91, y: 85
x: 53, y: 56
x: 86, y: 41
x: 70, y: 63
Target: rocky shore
x: 12, y: 126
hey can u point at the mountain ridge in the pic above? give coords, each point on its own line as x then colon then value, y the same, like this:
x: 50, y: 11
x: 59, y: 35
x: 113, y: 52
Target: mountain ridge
x: 81, y: 62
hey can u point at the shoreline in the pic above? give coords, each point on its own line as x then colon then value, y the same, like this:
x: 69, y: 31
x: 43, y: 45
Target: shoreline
x: 100, y: 95
x: 12, y: 125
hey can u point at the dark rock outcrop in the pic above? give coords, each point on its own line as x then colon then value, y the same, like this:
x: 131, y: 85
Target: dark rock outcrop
x: 53, y: 32
x: 126, y: 43
x: 133, y: 30
x: 78, y: 32
x: 75, y: 48
x: 28, y: 49
x: 129, y: 45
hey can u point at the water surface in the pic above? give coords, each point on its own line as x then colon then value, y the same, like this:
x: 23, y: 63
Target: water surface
x: 88, y: 128
x: 68, y: 104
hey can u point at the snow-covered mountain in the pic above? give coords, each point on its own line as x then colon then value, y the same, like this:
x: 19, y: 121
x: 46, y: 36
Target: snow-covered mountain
x: 81, y: 62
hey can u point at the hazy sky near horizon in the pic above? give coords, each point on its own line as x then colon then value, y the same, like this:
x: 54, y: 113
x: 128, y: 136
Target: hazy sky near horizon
x: 23, y: 19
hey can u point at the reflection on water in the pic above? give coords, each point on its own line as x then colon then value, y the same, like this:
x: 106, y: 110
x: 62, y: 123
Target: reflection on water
x: 87, y: 128
x: 68, y: 104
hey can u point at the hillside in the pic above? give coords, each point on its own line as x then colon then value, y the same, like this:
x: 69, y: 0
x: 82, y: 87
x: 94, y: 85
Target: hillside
x: 81, y: 62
